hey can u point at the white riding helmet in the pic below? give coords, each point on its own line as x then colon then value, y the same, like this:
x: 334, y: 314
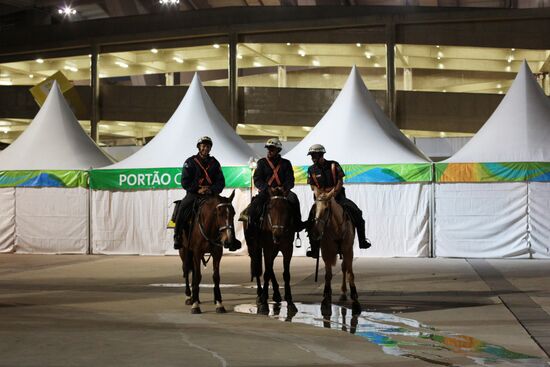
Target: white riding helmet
x: 316, y: 148
x: 274, y: 142
x: 204, y: 140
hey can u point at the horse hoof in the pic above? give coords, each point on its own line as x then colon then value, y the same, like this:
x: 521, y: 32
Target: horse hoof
x: 291, y: 307
x: 188, y: 301
x: 220, y: 310
x: 263, y: 309
x: 343, y: 298
x: 277, y: 297
x: 196, y: 311
x: 356, y: 308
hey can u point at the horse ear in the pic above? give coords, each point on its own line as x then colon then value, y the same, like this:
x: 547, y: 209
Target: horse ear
x: 232, y: 196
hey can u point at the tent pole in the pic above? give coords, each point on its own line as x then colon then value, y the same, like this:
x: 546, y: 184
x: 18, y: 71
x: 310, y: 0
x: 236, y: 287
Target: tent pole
x: 432, y: 214
x: 89, y: 250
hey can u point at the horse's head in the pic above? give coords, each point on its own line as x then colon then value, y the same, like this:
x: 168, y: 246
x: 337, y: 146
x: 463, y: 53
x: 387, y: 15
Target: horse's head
x: 278, y: 214
x: 225, y: 214
x: 322, y: 213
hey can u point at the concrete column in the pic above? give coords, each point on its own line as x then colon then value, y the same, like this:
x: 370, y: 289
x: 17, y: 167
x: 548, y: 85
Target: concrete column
x: 233, y: 75
x: 547, y: 84
x: 390, y: 71
x: 281, y: 76
x: 407, y: 79
x: 94, y: 83
x: 169, y: 79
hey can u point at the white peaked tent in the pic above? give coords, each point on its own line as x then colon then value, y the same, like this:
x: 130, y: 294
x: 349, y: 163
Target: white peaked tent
x: 386, y: 175
x: 493, y: 194
x: 43, y: 183
x: 133, y: 199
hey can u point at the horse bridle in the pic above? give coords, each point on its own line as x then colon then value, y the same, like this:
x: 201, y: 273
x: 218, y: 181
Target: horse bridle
x: 275, y: 226
x: 325, y: 218
x: 228, y: 226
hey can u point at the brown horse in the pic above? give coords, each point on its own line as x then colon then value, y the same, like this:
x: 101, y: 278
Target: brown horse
x: 276, y: 234
x: 335, y: 231
x: 211, y: 230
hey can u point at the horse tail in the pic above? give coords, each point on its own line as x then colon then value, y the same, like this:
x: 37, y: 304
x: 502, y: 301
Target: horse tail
x: 188, y: 265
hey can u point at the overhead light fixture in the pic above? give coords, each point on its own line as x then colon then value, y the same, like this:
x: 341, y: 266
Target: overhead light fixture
x: 201, y: 67
x: 72, y: 68
x: 510, y: 59
x: 301, y: 53
x: 40, y: 61
x: 5, y: 130
x: 66, y: 11
x: 239, y: 56
x: 444, y: 90
x: 439, y: 55
x: 316, y: 63
x: 368, y: 55
x: 499, y: 85
x: 376, y: 65
x: 215, y: 45
x: 6, y: 82
x: 288, y: 43
x: 169, y: 2
x: 154, y: 50
x: 178, y: 59
x: 326, y: 75
x: 3, y: 75
x: 358, y: 44
x: 31, y: 76
x: 121, y: 64
x: 256, y: 64
x: 513, y: 49
x: 148, y: 72
x: 508, y: 68
x: 441, y: 66
x: 436, y: 46
x: 500, y: 92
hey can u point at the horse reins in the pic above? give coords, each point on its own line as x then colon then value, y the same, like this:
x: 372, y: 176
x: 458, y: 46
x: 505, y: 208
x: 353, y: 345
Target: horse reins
x: 228, y: 226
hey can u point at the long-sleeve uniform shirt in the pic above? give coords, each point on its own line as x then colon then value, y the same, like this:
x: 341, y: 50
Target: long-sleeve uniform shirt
x: 264, y: 177
x: 198, y: 172
x: 325, y: 175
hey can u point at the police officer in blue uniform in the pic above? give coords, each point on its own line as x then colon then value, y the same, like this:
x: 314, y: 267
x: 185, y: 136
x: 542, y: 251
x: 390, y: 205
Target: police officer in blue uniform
x: 273, y: 171
x: 201, y: 175
x: 329, y: 176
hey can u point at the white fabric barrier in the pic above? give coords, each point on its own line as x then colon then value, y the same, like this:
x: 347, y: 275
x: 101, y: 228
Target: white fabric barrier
x: 396, y: 215
x: 134, y: 222
x: 539, y: 215
x: 481, y: 220
x: 7, y: 219
x: 51, y: 220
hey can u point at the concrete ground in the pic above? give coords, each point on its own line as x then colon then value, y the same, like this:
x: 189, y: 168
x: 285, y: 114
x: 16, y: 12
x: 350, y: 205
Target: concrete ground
x: 129, y: 311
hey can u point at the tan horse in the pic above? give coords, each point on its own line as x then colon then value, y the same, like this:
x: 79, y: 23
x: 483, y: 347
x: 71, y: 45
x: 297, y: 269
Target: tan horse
x: 211, y: 229
x: 276, y: 234
x: 335, y: 231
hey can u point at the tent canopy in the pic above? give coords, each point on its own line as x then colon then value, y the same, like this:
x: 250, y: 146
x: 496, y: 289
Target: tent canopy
x: 356, y: 131
x: 518, y: 130
x: 196, y: 116
x: 53, y: 141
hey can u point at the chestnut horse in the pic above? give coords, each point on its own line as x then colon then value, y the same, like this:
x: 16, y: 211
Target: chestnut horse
x: 276, y: 234
x: 336, y: 233
x: 211, y: 230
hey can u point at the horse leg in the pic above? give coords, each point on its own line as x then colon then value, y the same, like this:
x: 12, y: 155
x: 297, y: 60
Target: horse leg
x: 287, y: 256
x: 276, y: 293
x: 344, y: 289
x: 196, y: 283
x: 216, y: 278
x: 355, y: 306
x: 258, y: 290
x: 327, y: 292
x: 268, y: 275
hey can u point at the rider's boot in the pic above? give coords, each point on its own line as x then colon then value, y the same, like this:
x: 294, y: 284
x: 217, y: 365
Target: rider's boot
x: 313, y: 250
x: 364, y: 242
x: 235, y: 245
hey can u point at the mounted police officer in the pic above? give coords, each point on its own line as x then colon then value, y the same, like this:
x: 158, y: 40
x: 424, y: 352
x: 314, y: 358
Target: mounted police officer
x: 273, y: 171
x: 329, y: 176
x: 201, y: 175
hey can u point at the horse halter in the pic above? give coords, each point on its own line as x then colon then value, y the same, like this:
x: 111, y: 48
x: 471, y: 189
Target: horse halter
x: 228, y: 226
x: 275, y: 226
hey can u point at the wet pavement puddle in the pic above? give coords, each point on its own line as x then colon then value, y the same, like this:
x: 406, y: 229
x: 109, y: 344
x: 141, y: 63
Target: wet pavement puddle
x: 399, y: 336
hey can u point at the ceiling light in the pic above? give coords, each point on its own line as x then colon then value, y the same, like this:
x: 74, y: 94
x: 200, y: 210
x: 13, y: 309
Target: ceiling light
x: 3, y: 75
x: 358, y: 44
x: 301, y: 53
x: 6, y: 82
x: 499, y: 85
x: 102, y: 75
x: 40, y: 61
x: 439, y: 54
x: 239, y: 56
x: 148, y: 72
x: 442, y: 134
x: 66, y: 11
x: 256, y: 64
x: 316, y: 62
x: 368, y: 55
x: 201, y: 67
x: 31, y: 76
x: 5, y: 130
x: 444, y: 90
x: 177, y: 59
x: 510, y: 58
x: 215, y: 45
x: 72, y: 68
x: 154, y: 50
x: 508, y: 68
x: 121, y: 64
x: 500, y: 92
x: 169, y: 2
x: 376, y: 65
x: 288, y: 43
x: 440, y: 65
x: 437, y: 46
x: 513, y: 49
x: 241, y: 125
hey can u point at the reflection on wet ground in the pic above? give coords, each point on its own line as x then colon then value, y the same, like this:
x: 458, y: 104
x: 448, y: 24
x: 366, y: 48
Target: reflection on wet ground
x: 403, y: 337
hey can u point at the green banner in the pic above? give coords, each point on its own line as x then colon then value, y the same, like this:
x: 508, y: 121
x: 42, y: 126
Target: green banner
x: 493, y: 172
x: 53, y: 178
x: 158, y: 178
x: 377, y: 173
